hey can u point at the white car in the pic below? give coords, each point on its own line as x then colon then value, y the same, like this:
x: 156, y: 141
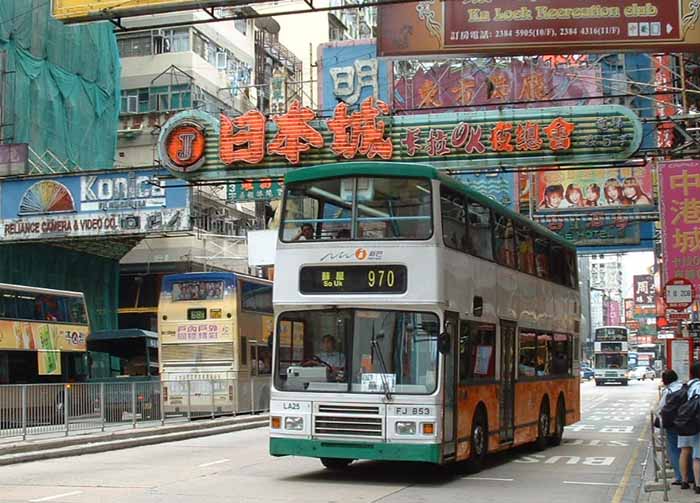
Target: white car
x: 643, y: 373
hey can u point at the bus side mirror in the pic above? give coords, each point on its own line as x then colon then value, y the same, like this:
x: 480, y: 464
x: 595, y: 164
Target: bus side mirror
x: 444, y: 343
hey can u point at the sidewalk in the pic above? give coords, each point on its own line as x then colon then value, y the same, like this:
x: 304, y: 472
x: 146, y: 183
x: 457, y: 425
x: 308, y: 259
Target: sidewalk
x: 87, y: 443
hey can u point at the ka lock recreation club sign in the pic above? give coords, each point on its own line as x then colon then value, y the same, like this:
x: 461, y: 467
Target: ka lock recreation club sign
x: 194, y: 145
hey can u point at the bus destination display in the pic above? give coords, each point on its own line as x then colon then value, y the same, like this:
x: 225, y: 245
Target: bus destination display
x: 353, y: 279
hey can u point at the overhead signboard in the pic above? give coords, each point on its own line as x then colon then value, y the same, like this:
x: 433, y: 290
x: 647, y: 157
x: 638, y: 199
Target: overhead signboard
x: 595, y: 190
x: 198, y: 146
x: 680, y: 219
x: 521, y: 27
x: 77, y: 11
x: 679, y: 294
x: 106, y: 204
x: 472, y: 84
x: 349, y: 72
x: 644, y: 290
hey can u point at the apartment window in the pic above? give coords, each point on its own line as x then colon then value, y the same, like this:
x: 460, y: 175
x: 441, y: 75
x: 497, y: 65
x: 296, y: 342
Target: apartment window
x: 221, y: 60
x: 241, y: 25
x: 134, y: 101
x: 137, y: 45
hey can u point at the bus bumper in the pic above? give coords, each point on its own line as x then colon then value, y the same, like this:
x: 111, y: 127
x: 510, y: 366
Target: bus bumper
x: 430, y: 453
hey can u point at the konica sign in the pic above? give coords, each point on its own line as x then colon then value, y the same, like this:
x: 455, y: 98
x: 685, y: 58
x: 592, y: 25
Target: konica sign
x: 86, y: 205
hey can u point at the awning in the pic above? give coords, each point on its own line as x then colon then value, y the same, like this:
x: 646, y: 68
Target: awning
x: 128, y: 333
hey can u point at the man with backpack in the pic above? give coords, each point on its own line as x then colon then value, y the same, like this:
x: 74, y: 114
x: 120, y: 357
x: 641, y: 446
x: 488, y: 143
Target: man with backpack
x: 671, y: 386
x: 681, y: 413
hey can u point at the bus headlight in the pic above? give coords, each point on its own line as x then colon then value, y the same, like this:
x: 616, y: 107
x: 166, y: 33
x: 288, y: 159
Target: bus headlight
x: 405, y: 428
x: 294, y: 423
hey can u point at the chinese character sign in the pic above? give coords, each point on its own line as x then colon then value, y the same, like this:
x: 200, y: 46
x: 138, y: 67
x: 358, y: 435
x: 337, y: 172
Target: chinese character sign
x: 680, y: 216
x: 586, y: 190
x: 261, y: 189
x: 644, y: 290
x: 349, y: 72
x: 465, y: 84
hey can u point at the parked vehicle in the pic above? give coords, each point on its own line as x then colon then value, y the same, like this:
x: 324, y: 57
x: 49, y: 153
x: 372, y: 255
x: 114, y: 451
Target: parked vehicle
x: 587, y: 373
x: 643, y: 373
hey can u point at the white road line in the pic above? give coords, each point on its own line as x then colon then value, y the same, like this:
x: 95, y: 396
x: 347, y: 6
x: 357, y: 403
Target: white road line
x: 55, y: 497
x: 214, y: 463
x: 573, y: 482
x: 493, y: 479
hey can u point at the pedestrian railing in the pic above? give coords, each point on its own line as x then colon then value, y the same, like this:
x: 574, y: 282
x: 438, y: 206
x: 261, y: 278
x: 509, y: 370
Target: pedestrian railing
x: 658, y: 451
x: 28, y: 410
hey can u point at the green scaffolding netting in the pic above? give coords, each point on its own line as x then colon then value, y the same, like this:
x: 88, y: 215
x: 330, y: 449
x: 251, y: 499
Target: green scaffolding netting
x: 61, y: 85
x: 49, y: 267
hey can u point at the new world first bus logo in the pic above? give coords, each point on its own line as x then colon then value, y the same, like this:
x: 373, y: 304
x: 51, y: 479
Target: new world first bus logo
x: 360, y: 254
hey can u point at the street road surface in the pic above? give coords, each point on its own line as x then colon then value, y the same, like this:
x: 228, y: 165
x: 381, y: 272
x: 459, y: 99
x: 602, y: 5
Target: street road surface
x: 600, y: 460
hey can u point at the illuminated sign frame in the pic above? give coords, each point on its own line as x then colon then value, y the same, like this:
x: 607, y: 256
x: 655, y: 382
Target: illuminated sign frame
x: 250, y: 146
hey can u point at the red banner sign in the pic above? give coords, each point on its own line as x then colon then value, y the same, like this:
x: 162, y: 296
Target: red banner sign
x: 521, y: 27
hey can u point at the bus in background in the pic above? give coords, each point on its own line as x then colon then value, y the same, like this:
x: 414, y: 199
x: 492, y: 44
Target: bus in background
x: 417, y: 320
x: 610, y: 360
x: 43, y: 335
x: 215, y: 335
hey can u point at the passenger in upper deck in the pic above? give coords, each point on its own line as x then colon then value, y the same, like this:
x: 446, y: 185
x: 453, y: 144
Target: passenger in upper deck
x: 306, y: 233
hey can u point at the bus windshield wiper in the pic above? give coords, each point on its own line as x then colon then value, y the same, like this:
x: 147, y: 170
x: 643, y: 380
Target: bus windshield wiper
x: 382, y: 366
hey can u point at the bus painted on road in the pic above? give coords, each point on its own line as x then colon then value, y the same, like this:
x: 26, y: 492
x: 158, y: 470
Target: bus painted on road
x: 610, y: 355
x: 417, y: 320
x: 43, y: 335
x: 215, y: 334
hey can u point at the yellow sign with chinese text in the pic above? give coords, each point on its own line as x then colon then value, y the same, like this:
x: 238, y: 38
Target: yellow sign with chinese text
x: 49, y: 362
x: 37, y: 336
x: 75, y: 11
x: 197, y: 332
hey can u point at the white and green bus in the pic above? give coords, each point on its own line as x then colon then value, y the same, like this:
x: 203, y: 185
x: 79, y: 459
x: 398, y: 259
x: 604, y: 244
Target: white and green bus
x: 610, y: 355
x: 417, y: 320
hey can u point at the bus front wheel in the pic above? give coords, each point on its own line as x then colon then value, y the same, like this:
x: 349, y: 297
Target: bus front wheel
x: 479, y: 442
x: 336, y: 463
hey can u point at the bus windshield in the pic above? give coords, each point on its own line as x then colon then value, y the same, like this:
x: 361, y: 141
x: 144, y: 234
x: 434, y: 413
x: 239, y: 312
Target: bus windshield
x: 359, y: 351
x: 355, y: 208
x: 611, y: 361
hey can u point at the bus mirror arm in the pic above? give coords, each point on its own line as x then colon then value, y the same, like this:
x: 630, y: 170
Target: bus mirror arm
x: 444, y: 343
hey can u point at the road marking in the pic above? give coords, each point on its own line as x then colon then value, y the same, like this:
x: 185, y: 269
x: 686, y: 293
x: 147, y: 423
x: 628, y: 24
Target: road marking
x: 573, y: 482
x: 55, y: 497
x: 494, y: 479
x: 214, y: 463
x: 620, y: 492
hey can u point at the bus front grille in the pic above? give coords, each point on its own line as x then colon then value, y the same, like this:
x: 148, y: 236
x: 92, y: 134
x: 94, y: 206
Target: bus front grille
x: 348, y: 426
x: 348, y: 421
x: 348, y: 409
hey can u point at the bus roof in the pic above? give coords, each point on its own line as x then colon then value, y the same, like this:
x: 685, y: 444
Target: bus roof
x: 44, y: 291
x: 214, y: 275
x: 413, y: 170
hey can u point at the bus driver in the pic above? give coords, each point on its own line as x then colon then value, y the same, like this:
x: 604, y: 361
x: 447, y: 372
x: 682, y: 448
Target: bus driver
x: 330, y: 355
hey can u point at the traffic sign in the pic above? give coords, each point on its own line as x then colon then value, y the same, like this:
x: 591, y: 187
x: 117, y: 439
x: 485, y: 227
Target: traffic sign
x: 679, y: 294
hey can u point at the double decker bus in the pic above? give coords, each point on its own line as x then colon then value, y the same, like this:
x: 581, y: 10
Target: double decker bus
x: 43, y: 335
x: 417, y: 320
x: 215, y: 338
x: 610, y: 356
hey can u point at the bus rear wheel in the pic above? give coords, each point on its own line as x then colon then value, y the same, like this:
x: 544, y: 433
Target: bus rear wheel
x: 555, y: 439
x: 336, y: 463
x: 543, y: 421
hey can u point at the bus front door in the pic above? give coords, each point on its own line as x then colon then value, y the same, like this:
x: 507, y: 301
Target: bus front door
x: 507, y: 392
x: 450, y: 388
